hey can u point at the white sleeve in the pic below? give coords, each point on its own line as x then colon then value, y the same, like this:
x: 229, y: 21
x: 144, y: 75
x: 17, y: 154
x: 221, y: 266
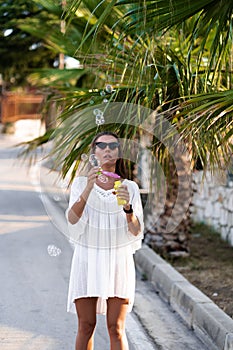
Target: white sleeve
x: 77, y: 189
x: 76, y: 230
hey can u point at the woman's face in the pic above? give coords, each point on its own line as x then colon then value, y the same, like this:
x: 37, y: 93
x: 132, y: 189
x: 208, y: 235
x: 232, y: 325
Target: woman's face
x: 107, y: 150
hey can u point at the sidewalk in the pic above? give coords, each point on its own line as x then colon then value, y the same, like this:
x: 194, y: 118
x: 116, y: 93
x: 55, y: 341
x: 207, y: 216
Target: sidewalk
x: 200, y: 313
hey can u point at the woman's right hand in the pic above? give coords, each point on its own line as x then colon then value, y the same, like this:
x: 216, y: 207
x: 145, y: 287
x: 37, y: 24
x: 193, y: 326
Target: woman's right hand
x: 76, y: 211
x: 92, y: 176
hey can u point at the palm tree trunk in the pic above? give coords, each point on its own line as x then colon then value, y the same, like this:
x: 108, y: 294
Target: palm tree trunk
x: 169, y: 234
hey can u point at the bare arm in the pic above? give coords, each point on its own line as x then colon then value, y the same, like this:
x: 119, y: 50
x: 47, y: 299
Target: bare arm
x: 133, y: 224
x: 132, y: 220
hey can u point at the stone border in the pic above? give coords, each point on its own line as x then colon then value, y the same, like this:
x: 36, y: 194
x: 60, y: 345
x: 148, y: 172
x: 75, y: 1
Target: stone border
x: 200, y: 313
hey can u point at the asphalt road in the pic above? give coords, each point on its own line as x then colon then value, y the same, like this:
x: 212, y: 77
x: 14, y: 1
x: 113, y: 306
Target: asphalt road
x: 35, y: 258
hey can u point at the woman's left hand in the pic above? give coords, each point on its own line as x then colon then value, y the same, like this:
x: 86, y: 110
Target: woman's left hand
x: 132, y: 220
x: 123, y: 193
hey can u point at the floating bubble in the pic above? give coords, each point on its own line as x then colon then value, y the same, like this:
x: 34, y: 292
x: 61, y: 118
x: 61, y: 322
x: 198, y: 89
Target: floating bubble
x: 94, y: 161
x: 63, y: 183
x: 109, y: 88
x: 105, y: 100
x: 53, y: 250
x: 97, y: 112
x: 102, y: 93
x: 84, y: 157
x: 103, y: 178
x: 99, y: 119
x: 92, y: 102
x: 56, y: 198
x: 100, y: 122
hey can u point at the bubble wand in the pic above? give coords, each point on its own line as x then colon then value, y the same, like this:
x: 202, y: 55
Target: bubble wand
x: 95, y: 162
x: 110, y: 174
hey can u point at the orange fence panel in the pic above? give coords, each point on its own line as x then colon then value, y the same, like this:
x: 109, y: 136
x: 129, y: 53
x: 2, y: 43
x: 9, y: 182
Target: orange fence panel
x: 16, y: 107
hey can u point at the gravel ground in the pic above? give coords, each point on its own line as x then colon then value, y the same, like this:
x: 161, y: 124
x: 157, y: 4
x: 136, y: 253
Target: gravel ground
x: 210, y: 266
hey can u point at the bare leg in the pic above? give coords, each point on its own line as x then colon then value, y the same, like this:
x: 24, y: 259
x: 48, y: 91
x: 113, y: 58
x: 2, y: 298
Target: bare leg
x: 116, y: 316
x: 86, y: 311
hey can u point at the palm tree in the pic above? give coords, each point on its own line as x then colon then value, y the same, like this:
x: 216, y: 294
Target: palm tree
x: 169, y: 57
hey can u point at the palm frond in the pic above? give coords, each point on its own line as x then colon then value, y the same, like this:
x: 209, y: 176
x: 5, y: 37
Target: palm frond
x: 56, y: 77
x: 208, y: 124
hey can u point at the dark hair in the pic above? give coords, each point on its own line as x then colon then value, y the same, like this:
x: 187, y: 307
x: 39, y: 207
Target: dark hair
x: 120, y: 164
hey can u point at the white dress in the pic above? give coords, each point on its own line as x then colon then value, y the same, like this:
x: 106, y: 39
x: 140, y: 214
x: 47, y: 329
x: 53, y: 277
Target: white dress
x: 102, y: 264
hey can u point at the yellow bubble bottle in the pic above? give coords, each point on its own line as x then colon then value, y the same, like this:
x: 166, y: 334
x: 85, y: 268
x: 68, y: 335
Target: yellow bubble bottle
x: 120, y: 201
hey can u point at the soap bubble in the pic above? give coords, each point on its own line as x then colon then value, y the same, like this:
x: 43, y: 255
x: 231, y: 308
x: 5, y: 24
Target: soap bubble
x: 63, y: 183
x: 109, y: 88
x: 56, y: 198
x: 102, y: 93
x: 84, y: 157
x: 94, y: 161
x: 97, y: 112
x: 99, y: 119
x: 92, y: 102
x: 53, y: 250
x: 105, y: 100
x: 103, y: 178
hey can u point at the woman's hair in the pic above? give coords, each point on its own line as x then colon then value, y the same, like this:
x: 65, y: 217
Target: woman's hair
x: 120, y: 164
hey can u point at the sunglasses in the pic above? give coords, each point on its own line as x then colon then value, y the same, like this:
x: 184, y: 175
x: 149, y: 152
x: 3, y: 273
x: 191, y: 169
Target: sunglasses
x: 111, y: 145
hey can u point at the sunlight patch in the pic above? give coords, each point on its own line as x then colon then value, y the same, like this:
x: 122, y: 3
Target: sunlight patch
x: 14, y: 338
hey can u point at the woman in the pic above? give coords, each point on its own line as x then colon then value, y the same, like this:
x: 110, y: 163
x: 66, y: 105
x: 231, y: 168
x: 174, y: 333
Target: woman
x: 102, y: 278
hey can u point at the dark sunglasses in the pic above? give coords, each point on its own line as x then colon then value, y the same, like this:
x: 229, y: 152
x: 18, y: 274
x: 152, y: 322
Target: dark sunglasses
x: 111, y: 145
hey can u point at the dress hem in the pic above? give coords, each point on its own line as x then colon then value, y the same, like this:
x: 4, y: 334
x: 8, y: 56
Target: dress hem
x: 71, y: 306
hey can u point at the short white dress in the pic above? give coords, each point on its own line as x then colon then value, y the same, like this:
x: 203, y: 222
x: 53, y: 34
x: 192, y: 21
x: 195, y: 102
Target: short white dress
x: 102, y: 264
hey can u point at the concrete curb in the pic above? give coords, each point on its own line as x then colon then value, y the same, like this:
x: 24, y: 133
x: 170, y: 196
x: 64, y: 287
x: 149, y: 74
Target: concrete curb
x: 200, y: 313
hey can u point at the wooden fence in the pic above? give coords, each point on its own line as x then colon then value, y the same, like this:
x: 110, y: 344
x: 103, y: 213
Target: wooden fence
x: 16, y: 106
